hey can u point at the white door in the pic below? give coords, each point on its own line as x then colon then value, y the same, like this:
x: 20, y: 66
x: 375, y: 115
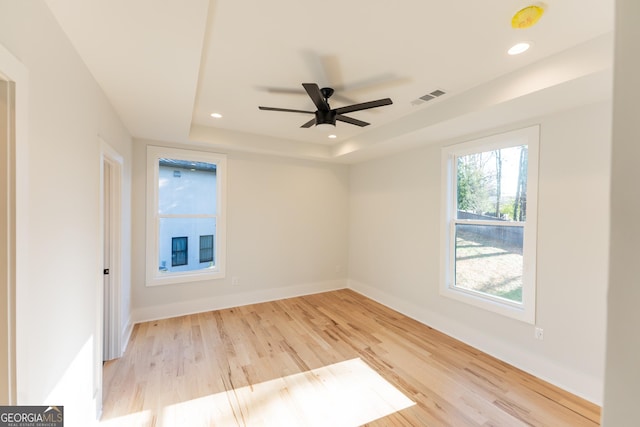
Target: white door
x: 111, y: 258
x: 106, y: 265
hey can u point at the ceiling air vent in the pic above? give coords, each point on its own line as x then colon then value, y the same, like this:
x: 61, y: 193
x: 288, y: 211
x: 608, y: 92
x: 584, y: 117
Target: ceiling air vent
x: 436, y: 93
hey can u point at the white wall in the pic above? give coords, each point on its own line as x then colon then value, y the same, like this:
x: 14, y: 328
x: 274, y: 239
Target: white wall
x: 394, y: 254
x: 57, y: 319
x: 287, y: 231
x: 623, y: 346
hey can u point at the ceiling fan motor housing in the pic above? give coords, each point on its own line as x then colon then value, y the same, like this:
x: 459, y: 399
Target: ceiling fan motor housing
x: 326, y: 117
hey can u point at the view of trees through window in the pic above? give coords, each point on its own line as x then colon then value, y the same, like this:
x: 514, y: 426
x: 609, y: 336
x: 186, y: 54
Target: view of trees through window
x: 491, y: 189
x: 494, y: 183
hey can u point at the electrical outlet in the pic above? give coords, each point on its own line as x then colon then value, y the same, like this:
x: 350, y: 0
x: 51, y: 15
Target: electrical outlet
x: 235, y: 281
x: 539, y: 332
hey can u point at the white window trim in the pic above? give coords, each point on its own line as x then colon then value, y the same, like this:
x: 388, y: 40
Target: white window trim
x: 153, y: 277
x: 525, y: 311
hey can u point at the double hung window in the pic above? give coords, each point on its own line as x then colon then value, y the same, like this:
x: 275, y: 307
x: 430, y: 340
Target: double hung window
x: 185, y: 207
x: 489, y: 228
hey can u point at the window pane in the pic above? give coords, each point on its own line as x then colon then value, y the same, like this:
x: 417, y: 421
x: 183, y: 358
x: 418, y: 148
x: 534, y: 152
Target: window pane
x: 186, y: 187
x: 175, y: 236
x: 489, y: 260
x: 493, y: 184
x: 206, y: 248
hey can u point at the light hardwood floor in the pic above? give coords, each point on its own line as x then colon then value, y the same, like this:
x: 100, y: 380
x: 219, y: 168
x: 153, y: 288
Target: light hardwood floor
x: 252, y: 364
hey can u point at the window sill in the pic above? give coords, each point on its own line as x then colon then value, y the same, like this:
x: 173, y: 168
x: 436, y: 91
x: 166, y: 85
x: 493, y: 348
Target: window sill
x: 508, y: 309
x: 186, y: 277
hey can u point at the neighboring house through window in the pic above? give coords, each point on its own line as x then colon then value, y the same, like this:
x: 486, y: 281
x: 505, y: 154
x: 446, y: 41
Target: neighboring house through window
x: 489, y: 227
x: 185, y: 205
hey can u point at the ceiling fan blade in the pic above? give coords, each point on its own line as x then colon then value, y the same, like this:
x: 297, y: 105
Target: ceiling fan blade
x: 377, y: 82
x: 351, y: 120
x: 288, y: 91
x: 342, y: 98
x: 287, y: 110
x: 364, y: 106
x: 283, y: 90
x: 309, y: 123
x: 316, y: 96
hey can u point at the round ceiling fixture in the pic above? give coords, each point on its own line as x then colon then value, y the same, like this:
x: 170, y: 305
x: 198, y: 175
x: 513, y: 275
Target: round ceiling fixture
x: 216, y: 115
x: 527, y: 17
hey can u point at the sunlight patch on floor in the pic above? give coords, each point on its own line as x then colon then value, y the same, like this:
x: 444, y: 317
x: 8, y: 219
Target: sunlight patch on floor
x: 347, y: 394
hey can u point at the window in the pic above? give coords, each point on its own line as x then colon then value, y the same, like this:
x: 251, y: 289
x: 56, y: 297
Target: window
x: 179, y: 251
x: 489, y: 227
x: 185, y: 203
x: 206, y: 248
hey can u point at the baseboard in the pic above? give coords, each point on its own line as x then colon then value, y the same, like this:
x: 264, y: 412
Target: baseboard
x: 587, y: 387
x: 146, y: 314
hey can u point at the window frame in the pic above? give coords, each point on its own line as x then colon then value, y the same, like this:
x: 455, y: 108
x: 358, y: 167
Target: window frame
x: 526, y: 310
x: 153, y: 276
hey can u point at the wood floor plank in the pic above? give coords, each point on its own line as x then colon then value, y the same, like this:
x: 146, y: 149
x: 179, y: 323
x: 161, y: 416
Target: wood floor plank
x: 251, y: 365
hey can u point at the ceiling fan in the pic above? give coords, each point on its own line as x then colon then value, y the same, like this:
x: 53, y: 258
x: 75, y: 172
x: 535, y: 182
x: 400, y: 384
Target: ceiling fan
x: 324, y: 115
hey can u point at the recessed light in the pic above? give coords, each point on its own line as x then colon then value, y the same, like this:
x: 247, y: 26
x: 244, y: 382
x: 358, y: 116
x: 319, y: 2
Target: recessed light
x: 332, y: 136
x: 519, y: 48
x: 216, y: 115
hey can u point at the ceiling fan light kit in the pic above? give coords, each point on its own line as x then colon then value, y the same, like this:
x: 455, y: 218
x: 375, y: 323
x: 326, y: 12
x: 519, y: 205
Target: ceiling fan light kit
x: 326, y: 127
x: 325, y: 116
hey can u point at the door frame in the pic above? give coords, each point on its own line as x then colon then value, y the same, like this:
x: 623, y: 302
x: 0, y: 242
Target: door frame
x: 7, y: 239
x: 13, y: 218
x: 109, y: 156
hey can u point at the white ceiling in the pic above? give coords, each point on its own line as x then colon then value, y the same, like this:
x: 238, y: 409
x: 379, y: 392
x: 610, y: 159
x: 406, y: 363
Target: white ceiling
x: 167, y: 64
